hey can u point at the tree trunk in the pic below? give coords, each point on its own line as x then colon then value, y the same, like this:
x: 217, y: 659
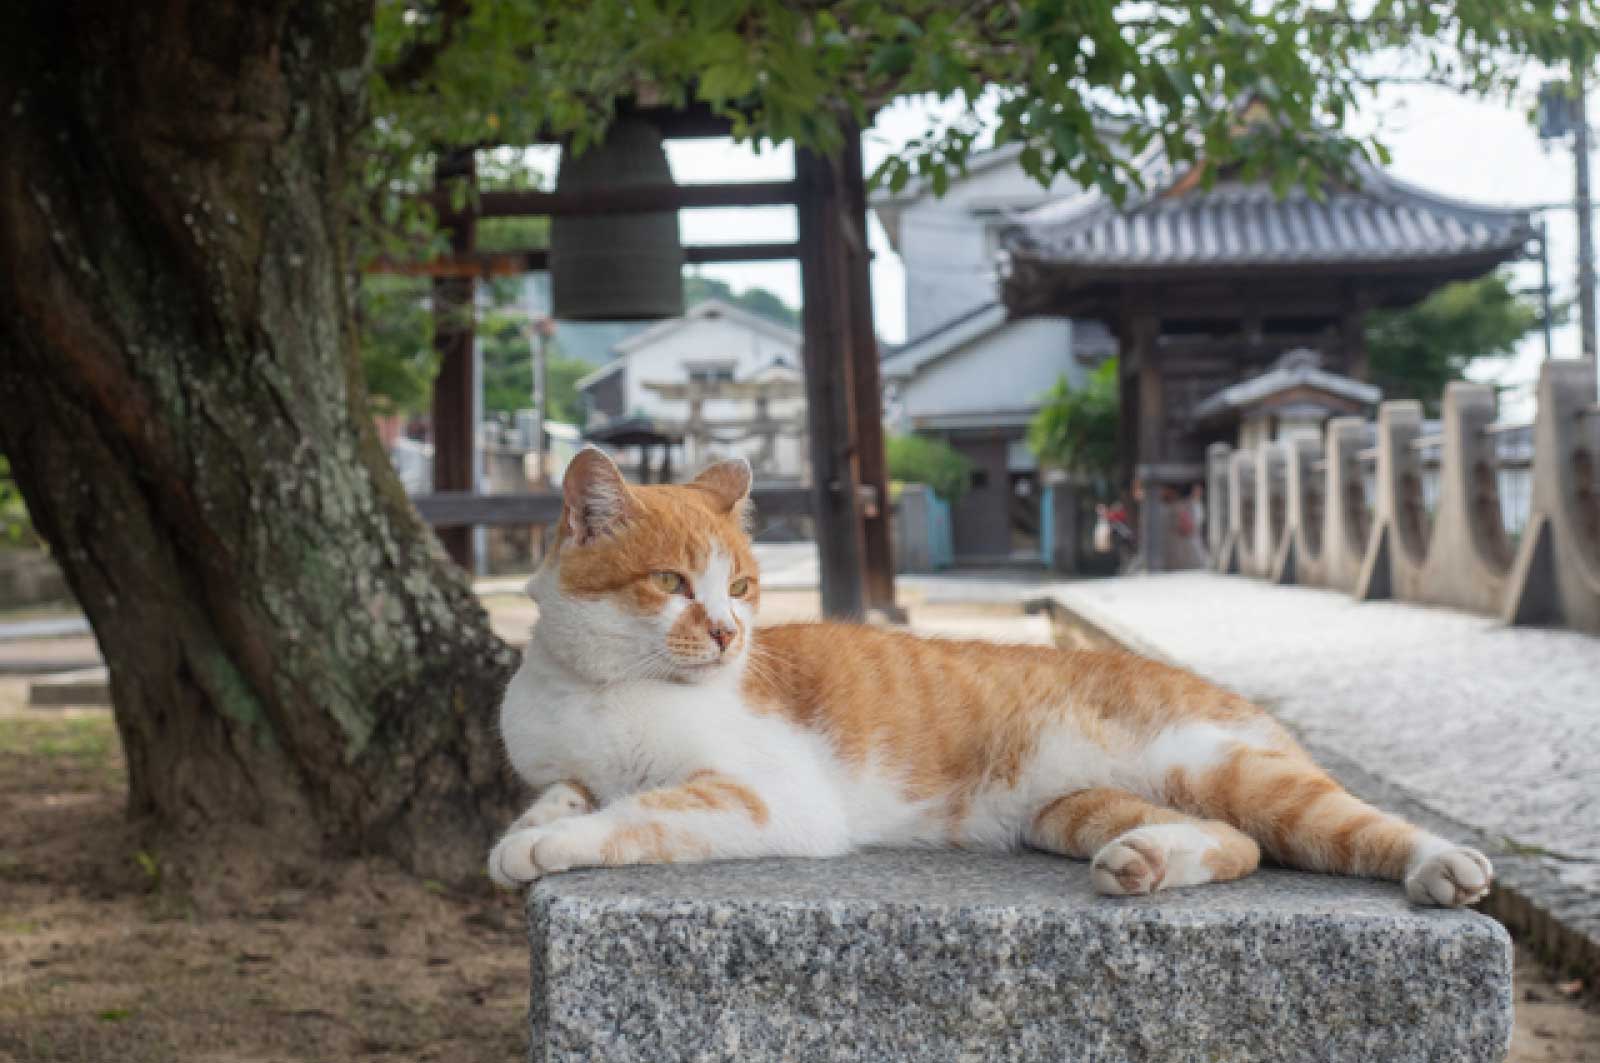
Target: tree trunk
x: 182, y: 404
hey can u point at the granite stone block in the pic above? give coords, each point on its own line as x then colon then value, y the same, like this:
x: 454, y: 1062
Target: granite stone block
x: 949, y: 956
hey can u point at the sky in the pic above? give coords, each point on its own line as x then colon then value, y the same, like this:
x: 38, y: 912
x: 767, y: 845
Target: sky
x: 1484, y: 151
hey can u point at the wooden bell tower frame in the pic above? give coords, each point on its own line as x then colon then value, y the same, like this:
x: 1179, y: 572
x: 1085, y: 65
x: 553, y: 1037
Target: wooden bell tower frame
x: 844, y: 416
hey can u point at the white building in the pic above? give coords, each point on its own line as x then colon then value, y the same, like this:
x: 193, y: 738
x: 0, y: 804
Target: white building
x: 714, y: 349
x: 966, y: 373
x: 948, y: 244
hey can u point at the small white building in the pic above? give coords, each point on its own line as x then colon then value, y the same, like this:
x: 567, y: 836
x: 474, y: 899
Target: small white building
x: 967, y: 373
x: 732, y: 358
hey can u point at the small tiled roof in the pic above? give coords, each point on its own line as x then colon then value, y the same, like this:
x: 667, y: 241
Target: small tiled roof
x: 1300, y: 368
x: 1240, y: 223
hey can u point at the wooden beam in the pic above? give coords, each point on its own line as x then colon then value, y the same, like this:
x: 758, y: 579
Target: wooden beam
x: 872, y: 465
x: 462, y: 509
x: 636, y: 199
x: 1152, y: 434
x: 537, y: 260
x: 824, y: 314
x: 453, y: 405
x: 776, y: 251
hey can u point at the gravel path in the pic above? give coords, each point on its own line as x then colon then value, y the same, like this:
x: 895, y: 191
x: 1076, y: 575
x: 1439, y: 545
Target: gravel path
x: 1496, y: 727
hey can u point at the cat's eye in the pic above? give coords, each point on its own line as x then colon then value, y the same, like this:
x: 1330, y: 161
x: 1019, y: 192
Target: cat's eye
x: 669, y: 583
x: 739, y: 587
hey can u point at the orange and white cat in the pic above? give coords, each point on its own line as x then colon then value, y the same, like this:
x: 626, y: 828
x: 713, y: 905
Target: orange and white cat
x: 662, y: 725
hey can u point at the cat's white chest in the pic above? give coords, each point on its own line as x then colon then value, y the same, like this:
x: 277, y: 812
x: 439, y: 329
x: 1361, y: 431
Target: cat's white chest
x: 621, y: 739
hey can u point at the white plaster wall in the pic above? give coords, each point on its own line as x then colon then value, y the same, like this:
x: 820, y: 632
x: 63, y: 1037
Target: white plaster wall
x: 1008, y: 369
x: 701, y: 340
x: 705, y: 340
x: 948, y: 250
x: 948, y: 262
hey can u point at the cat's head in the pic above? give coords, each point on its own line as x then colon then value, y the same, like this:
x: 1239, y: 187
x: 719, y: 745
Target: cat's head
x: 654, y: 582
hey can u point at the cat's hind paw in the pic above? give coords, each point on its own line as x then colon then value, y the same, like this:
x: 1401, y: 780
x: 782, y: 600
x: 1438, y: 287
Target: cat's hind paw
x: 1452, y: 878
x: 1129, y: 866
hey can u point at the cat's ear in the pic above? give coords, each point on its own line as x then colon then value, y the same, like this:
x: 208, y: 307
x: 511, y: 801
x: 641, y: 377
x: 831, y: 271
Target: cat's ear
x: 598, y: 501
x: 729, y: 483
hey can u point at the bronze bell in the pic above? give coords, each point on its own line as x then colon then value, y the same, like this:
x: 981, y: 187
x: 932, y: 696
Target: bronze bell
x: 616, y: 267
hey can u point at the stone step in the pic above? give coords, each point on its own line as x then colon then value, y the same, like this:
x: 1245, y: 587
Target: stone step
x: 90, y: 686
x: 951, y: 956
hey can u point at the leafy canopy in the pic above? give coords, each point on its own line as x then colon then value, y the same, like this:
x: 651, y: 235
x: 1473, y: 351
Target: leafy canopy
x: 508, y: 362
x: 1076, y: 428
x: 1083, y: 86
x: 395, y: 326
x: 1414, y: 353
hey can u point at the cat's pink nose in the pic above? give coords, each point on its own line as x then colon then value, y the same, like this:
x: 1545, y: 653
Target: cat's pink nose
x: 721, y: 633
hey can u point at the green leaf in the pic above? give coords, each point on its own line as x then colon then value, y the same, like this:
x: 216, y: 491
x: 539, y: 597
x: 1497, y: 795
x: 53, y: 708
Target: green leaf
x: 891, y: 60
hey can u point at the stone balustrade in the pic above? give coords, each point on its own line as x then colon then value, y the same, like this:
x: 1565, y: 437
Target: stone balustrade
x: 1384, y: 511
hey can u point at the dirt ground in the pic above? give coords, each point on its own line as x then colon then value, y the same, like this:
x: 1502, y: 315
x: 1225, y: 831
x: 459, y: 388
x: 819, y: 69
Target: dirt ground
x: 113, y: 948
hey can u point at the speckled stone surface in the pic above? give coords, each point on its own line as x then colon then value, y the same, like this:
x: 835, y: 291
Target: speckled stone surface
x: 947, y: 956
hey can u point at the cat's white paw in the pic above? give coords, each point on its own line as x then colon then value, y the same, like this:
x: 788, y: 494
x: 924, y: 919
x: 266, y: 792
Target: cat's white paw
x: 1129, y: 866
x: 512, y: 862
x: 526, y: 855
x: 1455, y: 877
x: 558, y: 802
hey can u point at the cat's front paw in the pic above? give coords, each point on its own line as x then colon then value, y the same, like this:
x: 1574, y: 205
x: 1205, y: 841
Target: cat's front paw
x: 1129, y: 866
x: 512, y: 862
x: 524, y: 856
x: 1456, y: 877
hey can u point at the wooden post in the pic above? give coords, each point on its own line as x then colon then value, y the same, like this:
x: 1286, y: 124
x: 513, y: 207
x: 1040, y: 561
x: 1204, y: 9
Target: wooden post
x: 1353, y: 337
x: 872, y: 465
x: 826, y: 320
x: 1147, y: 433
x: 452, y: 339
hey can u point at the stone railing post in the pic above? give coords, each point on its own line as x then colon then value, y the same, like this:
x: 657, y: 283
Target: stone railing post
x: 1299, y: 558
x: 1555, y: 578
x: 1222, y: 529
x: 1272, y: 510
x: 1397, y: 547
x: 1346, y: 526
x: 1244, y: 497
x: 1468, y: 556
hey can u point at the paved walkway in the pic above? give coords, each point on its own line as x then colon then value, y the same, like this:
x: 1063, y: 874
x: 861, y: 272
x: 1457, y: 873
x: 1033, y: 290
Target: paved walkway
x: 1495, y: 728
x: 59, y: 627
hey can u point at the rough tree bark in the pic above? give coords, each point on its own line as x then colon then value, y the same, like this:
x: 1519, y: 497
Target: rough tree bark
x: 181, y: 401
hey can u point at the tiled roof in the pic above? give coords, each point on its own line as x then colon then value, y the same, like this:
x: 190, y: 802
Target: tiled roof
x: 1244, y: 223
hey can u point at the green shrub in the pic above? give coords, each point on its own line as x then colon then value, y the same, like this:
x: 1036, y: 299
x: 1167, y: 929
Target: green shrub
x: 925, y: 460
x: 1076, y: 428
x: 16, y: 529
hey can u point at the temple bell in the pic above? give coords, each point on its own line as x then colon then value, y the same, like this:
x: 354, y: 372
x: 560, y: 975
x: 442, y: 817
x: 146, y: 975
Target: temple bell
x: 623, y: 266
